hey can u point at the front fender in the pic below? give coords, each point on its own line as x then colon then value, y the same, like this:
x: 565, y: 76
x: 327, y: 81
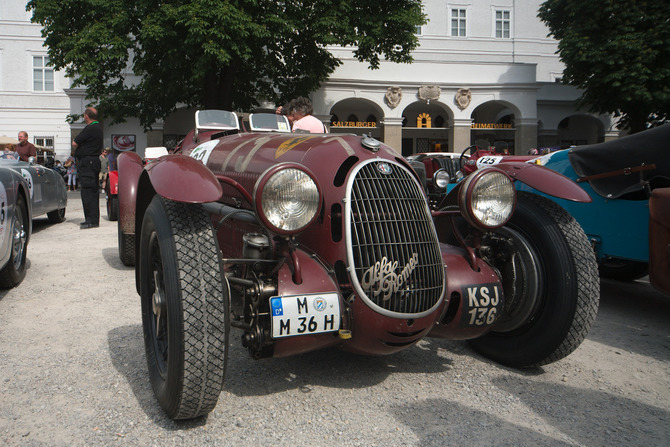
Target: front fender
x: 475, y: 297
x: 184, y: 179
x: 545, y: 180
x: 659, y: 239
x: 315, y: 279
x: 130, y: 167
x: 22, y: 189
x: 113, y: 182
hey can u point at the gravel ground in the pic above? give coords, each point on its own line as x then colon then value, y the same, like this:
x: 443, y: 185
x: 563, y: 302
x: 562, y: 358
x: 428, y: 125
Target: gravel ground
x: 73, y: 373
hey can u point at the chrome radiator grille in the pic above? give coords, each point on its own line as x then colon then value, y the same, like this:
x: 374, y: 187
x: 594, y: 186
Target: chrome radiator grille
x: 393, y: 248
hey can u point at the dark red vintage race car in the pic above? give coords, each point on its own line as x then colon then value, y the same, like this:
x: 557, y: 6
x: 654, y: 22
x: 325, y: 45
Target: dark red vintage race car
x: 308, y: 241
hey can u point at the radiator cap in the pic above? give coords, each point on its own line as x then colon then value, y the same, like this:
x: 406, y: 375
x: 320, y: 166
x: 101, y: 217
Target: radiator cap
x: 370, y: 143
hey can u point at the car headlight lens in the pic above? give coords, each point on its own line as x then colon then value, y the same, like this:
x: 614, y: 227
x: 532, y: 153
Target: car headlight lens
x: 289, y: 200
x: 487, y: 199
x: 441, y: 179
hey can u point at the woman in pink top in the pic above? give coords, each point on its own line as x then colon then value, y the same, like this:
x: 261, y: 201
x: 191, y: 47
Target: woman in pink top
x: 300, y: 110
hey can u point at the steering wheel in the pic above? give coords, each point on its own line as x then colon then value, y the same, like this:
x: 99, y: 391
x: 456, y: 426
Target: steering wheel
x: 461, y: 160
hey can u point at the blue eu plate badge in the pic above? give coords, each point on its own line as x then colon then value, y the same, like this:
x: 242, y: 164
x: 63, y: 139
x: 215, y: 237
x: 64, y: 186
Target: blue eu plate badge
x: 277, y: 309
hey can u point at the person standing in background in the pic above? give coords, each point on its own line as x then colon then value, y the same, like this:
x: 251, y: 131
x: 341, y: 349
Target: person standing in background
x: 87, y: 148
x: 104, y: 167
x: 71, y: 167
x: 9, y: 152
x: 111, y: 160
x: 25, y: 148
x: 300, y: 111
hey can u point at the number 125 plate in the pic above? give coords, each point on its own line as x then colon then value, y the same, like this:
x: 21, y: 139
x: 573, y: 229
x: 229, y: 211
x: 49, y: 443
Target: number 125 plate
x: 305, y: 314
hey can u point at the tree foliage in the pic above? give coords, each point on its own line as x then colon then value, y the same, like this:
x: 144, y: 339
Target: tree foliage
x: 145, y: 58
x: 616, y: 51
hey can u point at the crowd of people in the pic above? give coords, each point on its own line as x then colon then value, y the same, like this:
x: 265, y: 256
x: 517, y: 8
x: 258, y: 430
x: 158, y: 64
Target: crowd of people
x: 86, y: 168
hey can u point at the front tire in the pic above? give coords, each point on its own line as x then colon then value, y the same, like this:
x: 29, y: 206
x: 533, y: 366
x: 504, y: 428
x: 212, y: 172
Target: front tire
x: 126, y: 244
x: 184, y: 308
x: 550, y: 281
x: 56, y: 216
x: 15, y: 269
x: 112, y: 207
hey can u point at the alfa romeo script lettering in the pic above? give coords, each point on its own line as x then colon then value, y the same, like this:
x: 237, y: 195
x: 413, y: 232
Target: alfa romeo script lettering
x: 381, y: 277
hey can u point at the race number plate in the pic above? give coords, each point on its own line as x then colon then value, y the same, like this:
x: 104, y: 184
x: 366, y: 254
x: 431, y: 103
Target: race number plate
x: 482, y: 305
x: 305, y: 314
x: 488, y: 160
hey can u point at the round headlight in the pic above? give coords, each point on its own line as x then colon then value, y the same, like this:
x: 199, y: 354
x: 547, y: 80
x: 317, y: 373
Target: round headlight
x: 441, y: 179
x: 487, y: 198
x: 289, y: 200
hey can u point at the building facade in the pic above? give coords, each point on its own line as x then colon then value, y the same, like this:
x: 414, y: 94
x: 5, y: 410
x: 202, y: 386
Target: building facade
x: 32, y: 94
x: 485, y: 73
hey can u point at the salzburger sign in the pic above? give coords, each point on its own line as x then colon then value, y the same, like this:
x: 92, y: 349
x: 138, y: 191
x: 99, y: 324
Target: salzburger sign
x: 354, y: 124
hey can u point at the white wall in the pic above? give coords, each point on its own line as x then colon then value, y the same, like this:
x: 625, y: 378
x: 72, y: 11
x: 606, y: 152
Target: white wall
x: 21, y: 108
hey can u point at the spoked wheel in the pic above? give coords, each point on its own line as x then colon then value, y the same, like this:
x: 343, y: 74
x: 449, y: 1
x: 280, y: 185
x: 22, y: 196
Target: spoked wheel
x: 550, y: 282
x: 185, y: 308
x: 15, y: 270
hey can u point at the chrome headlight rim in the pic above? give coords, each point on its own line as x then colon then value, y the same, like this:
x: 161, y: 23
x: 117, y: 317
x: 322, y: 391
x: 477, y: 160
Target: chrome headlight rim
x: 441, y: 179
x: 266, y: 180
x: 471, y: 185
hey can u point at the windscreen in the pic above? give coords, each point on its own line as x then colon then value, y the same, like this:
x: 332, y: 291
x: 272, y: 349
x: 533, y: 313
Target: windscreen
x: 269, y: 122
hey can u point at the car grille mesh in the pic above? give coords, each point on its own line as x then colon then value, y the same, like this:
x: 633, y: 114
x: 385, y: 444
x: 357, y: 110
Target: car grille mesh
x: 394, y: 247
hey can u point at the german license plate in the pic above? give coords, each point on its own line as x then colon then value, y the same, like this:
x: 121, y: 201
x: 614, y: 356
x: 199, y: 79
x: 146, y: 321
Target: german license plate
x: 305, y: 314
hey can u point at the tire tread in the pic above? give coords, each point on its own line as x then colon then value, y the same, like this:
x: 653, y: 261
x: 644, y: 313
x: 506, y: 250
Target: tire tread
x: 588, y: 283
x: 204, y: 327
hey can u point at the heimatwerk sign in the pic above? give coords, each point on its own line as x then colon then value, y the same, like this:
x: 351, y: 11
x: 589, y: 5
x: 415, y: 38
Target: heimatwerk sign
x: 491, y: 126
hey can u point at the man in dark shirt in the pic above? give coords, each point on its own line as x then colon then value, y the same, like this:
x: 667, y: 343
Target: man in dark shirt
x: 25, y: 149
x: 88, y: 145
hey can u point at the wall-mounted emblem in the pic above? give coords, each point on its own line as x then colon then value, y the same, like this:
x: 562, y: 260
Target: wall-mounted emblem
x: 393, y: 96
x: 429, y: 93
x: 463, y: 98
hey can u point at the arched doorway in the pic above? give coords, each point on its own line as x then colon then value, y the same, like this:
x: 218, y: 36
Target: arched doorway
x: 494, y: 124
x: 357, y: 116
x: 425, y: 128
x: 579, y: 129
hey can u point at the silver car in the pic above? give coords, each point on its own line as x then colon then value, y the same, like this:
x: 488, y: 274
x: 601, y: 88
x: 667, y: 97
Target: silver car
x: 27, y: 190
